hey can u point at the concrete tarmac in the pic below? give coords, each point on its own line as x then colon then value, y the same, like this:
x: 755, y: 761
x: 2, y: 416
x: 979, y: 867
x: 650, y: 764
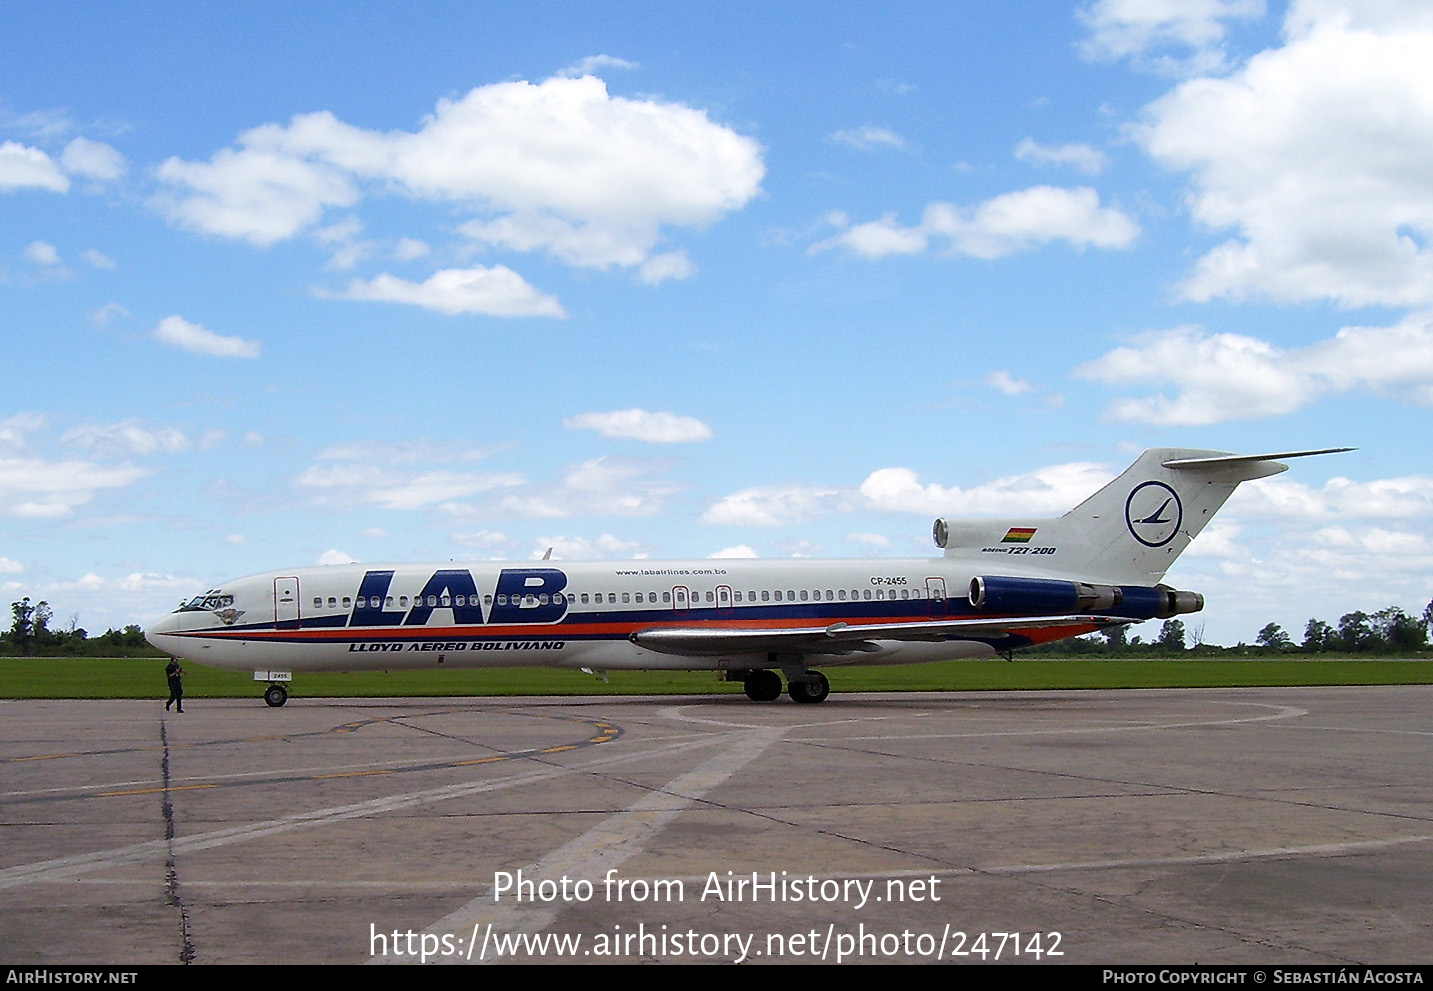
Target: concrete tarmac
x: 1174, y: 826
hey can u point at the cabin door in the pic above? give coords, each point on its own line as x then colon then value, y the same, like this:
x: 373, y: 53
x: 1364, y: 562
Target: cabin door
x: 286, y: 603
x: 935, y: 595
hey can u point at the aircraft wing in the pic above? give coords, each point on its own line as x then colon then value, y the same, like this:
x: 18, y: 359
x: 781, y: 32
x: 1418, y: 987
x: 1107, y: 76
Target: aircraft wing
x: 842, y: 638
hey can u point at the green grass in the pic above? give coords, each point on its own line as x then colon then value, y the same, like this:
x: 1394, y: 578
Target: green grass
x: 137, y: 678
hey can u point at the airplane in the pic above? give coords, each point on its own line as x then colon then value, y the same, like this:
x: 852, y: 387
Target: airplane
x: 1000, y: 585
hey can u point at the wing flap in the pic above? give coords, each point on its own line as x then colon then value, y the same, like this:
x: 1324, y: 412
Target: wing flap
x: 842, y: 638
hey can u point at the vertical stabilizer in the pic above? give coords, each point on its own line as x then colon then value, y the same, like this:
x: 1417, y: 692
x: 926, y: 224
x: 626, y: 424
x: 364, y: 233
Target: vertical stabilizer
x: 1128, y: 533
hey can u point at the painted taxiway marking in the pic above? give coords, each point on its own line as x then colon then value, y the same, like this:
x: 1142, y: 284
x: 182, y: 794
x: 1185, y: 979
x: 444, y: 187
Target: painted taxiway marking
x: 1281, y: 712
x: 605, y: 732
x: 608, y: 844
x: 73, y: 867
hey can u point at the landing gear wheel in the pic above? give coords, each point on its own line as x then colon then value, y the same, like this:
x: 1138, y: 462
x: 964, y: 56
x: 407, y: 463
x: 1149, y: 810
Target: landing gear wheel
x: 276, y: 695
x: 810, y: 689
x: 763, y: 686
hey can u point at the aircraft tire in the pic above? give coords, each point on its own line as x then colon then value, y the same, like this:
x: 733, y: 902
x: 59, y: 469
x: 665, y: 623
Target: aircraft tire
x: 275, y: 696
x: 811, y: 689
x: 763, y: 686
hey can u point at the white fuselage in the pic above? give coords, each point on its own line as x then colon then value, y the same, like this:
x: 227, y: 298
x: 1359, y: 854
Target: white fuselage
x: 577, y: 615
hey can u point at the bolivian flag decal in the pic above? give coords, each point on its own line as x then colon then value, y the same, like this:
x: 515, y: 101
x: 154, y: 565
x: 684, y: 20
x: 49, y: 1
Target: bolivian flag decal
x: 1018, y: 535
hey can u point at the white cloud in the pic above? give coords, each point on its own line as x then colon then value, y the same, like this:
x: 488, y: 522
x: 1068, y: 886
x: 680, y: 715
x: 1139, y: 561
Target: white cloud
x: 96, y: 259
x: 639, y: 424
x: 489, y: 541
x: 108, y: 313
x: 602, y: 486
x: 1221, y: 377
x: 585, y: 549
x: 593, y: 64
x: 560, y: 166
x: 42, y: 253
x: 36, y: 488
x: 260, y: 194
x: 332, y: 556
x: 1007, y: 383
x: 1340, y: 499
x: 356, y: 483
x: 93, y: 160
x: 409, y: 248
x: 9, y: 567
x: 738, y: 551
x: 14, y: 428
x: 1090, y: 161
x: 1148, y: 31
x: 196, y: 339
x: 1315, y: 153
x: 128, y: 437
x: 496, y: 291
x: 878, y: 238
x: 669, y: 265
x: 997, y: 227
x: 1047, y: 491
x: 23, y: 167
x: 775, y: 505
x: 870, y: 138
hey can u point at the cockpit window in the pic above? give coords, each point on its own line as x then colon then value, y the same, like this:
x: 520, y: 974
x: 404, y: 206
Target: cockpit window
x: 213, y: 599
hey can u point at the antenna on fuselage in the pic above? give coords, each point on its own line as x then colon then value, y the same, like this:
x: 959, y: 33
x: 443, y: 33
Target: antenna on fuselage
x: 547, y: 555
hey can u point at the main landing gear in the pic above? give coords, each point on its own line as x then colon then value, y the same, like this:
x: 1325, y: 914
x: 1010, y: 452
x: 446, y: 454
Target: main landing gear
x: 763, y: 685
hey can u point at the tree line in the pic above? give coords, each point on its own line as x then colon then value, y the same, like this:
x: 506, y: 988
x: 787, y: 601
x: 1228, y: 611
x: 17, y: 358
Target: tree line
x: 31, y: 634
x: 1391, y: 631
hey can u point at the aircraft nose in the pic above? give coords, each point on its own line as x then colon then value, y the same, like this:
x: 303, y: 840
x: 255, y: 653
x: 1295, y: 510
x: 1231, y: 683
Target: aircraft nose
x: 160, y: 634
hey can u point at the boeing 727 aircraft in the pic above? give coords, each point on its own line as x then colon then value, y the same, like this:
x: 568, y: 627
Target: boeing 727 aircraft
x: 999, y: 586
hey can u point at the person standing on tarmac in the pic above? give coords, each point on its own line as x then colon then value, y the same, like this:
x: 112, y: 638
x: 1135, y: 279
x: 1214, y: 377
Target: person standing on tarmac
x: 175, y: 674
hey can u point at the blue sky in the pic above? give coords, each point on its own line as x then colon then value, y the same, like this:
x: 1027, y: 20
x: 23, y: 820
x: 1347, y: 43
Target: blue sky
x: 284, y: 284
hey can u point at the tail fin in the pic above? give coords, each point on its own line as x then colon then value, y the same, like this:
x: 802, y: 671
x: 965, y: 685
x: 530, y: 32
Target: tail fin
x: 1127, y: 533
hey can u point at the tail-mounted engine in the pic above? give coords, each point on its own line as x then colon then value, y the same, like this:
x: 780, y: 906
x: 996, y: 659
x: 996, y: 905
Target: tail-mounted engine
x: 1050, y: 596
